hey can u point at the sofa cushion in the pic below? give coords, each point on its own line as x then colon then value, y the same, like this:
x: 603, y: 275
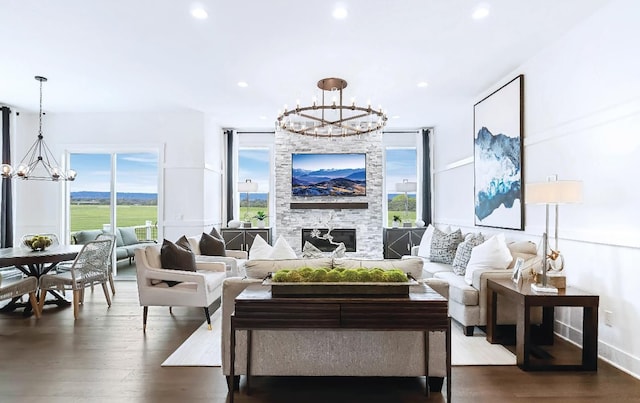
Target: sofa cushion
x: 443, y: 245
x: 411, y: 265
x: 491, y: 254
x: 431, y: 268
x: 524, y: 249
x: 194, y: 244
x: 122, y: 253
x: 259, y: 268
x: 459, y: 290
x: 211, y: 246
x: 463, y: 252
x: 128, y: 235
x: 82, y: 237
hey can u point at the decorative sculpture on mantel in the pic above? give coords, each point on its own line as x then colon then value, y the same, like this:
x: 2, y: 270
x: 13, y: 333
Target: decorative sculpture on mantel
x: 315, y: 233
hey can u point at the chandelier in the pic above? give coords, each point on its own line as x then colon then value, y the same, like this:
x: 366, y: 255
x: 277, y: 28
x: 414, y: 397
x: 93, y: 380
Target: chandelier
x: 38, y: 163
x: 331, y: 119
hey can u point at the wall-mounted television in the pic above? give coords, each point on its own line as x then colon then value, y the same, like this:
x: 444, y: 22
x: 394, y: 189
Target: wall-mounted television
x: 329, y: 174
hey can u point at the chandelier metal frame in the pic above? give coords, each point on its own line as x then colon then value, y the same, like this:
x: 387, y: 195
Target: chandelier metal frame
x: 351, y: 121
x: 37, y: 162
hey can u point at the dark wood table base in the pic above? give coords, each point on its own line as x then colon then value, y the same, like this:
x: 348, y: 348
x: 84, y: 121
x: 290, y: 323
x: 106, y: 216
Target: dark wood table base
x: 524, y: 299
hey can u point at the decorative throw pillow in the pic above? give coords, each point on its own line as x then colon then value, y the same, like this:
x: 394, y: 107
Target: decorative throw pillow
x: 463, y: 252
x: 183, y: 242
x: 214, y: 233
x: 260, y: 249
x: 443, y: 246
x: 211, y: 246
x: 491, y: 254
x: 128, y: 235
x: 174, y: 257
x: 282, y: 250
x: 424, y: 250
x: 309, y: 251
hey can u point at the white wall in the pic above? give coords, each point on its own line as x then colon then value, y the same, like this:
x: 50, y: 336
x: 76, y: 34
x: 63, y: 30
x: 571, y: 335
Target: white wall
x: 582, y: 113
x: 188, y: 183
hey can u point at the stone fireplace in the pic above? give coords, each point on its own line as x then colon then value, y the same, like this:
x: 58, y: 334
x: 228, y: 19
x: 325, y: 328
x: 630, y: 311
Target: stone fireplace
x: 361, y: 215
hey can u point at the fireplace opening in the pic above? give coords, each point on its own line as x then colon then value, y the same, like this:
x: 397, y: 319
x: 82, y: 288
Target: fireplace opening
x: 344, y: 235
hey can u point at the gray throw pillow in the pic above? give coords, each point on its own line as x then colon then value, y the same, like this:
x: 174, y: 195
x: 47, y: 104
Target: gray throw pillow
x: 174, y: 257
x: 212, y: 246
x: 183, y: 242
x: 444, y: 246
x: 463, y: 252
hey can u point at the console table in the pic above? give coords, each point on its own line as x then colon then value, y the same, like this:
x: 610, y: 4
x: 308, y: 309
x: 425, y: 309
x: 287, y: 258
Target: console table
x: 420, y: 311
x: 524, y: 299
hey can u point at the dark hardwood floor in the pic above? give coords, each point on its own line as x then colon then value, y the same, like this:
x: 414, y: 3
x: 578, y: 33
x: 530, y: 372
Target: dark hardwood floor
x: 105, y: 357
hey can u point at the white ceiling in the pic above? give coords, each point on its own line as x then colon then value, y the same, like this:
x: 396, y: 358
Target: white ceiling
x: 124, y: 55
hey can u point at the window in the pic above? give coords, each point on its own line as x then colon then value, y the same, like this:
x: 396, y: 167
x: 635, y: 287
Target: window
x: 401, y: 172
x: 254, y: 164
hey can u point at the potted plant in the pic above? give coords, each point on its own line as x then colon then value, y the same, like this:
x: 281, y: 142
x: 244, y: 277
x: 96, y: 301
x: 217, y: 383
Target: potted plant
x: 260, y: 216
x: 396, y: 221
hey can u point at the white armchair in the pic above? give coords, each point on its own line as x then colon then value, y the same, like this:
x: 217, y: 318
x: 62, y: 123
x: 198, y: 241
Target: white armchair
x: 197, y: 289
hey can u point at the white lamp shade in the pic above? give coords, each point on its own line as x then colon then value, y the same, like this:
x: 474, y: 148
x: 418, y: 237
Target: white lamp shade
x: 407, y: 187
x: 247, y: 186
x: 553, y: 192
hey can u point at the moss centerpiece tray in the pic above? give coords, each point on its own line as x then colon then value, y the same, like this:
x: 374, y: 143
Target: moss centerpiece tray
x: 348, y: 282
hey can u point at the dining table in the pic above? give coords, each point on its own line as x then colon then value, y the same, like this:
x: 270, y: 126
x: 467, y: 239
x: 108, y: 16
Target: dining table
x: 35, y: 264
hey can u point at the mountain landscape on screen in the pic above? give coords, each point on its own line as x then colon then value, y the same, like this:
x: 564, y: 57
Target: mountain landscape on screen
x: 332, y: 177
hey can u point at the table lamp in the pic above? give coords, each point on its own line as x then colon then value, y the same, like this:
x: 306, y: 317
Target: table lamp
x: 246, y: 187
x: 551, y: 192
x: 406, y: 187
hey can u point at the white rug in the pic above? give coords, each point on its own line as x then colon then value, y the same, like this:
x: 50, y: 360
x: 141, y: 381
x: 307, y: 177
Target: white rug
x: 202, y: 348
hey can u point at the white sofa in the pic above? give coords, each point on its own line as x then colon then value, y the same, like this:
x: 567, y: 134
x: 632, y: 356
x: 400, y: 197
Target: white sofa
x: 329, y: 352
x: 467, y: 302
x: 234, y: 259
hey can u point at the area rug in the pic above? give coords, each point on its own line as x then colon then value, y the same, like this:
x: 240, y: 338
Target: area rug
x: 202, y: 348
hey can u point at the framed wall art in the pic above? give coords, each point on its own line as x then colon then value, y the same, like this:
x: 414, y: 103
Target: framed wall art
x: 497, y: 150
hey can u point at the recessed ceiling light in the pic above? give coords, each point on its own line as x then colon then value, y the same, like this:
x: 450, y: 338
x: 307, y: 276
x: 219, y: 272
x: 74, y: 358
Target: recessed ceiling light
x: 422, y: 84
x: 340, y: 12
x: 242, y: 84
x: 481, y: 11
x: 199, y: 13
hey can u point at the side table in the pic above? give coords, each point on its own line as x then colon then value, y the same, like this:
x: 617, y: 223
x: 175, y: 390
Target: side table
x: 524, y: 299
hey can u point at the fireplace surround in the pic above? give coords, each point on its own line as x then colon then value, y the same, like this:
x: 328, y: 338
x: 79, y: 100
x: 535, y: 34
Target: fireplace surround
x: 344, y: 235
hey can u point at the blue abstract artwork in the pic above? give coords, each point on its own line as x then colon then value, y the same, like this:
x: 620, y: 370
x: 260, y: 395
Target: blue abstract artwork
x: 498, y: 158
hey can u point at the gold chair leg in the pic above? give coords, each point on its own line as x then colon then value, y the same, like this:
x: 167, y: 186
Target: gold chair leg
x: 34, y: 304
x: 106, y: 293
x: 76, y: 303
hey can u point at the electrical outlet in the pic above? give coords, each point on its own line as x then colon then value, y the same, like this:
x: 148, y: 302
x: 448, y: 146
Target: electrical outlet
x: 608, y: 317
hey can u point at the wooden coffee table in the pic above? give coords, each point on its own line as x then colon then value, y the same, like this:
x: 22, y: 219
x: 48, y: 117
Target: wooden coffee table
x: 523, y: 298
x: 257, y: 309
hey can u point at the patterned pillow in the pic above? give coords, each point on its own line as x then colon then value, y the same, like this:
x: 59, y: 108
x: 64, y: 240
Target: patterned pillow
x: 463, y: 253
x: 443, y: 245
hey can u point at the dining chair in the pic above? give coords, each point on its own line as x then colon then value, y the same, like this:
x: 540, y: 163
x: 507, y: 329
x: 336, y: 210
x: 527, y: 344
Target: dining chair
x: 19, y: 288
x: 90, y: 267
x: 111, y: 237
